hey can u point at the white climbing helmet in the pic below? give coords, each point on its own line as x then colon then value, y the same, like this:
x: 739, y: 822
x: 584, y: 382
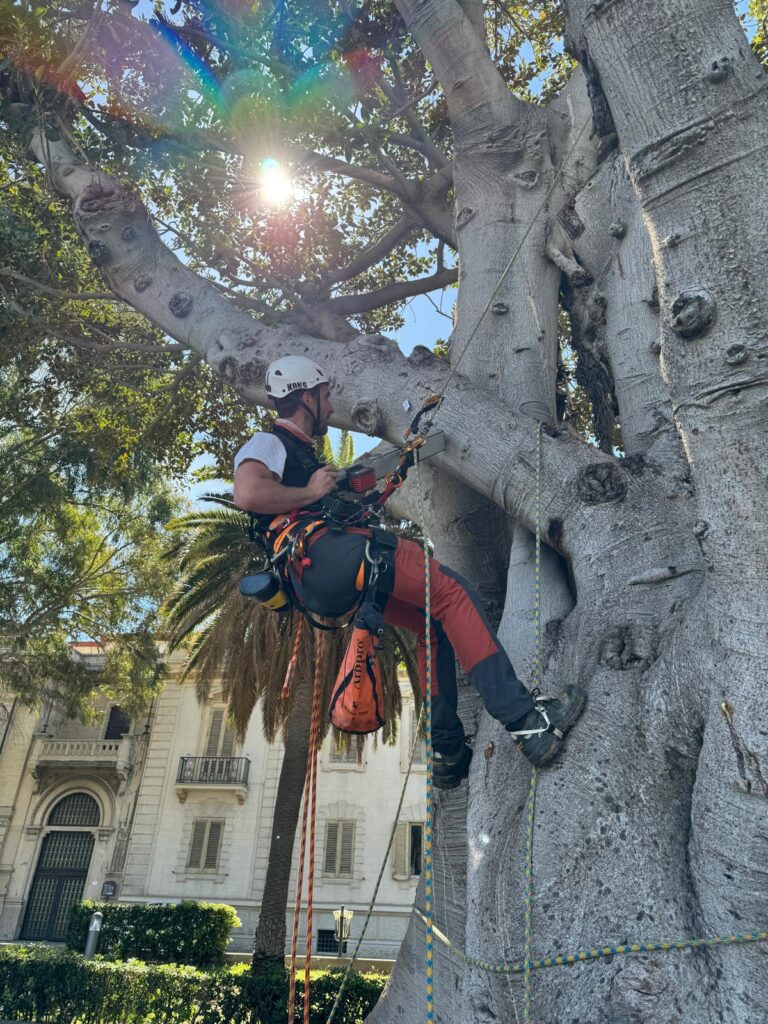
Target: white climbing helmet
x: 293, y: 373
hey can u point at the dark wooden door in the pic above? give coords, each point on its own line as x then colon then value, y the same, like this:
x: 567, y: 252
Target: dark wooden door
x: 58, y: 884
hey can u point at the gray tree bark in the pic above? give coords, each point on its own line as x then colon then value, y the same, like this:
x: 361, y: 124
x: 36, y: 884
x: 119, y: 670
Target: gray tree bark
x: 654, y: 824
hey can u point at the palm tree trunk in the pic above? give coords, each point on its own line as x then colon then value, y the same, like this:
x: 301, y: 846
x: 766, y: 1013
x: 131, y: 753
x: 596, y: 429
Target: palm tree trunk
x: 269, y: 943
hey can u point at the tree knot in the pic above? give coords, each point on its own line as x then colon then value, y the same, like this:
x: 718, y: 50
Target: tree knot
x: 97, y: 198
x: 181, y: 304
x: 736, y: 354
x: 719, y: 70
x: 99, y: 253
x: 142, y: 281
x: 228, y: 370
x: 366, y: 416
x: 601, y: 482
x: 630, y: 647
x: 693, y: 313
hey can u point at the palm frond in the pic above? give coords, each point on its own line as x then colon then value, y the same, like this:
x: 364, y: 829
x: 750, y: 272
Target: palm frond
x: 346, y: 454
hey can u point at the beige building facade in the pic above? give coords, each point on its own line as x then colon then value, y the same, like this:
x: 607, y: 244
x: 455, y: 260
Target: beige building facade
x: 169, y: 807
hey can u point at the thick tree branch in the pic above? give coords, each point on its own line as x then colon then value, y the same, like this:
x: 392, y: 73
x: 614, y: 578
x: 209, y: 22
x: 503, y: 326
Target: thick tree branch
x: 411, y: 142
x: 310, y: 160
x: 348, y: 305
x: 452, y: 45
x: 475, y: 15
x: 695, y: 139
x: 432, y: 208
x: 613, y: 244
x: 143, y: 271
x: 388, y: 241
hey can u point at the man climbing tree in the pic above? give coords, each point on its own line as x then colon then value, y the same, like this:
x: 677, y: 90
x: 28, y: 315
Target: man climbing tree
x: 599, y: 168
x: 280, y: 473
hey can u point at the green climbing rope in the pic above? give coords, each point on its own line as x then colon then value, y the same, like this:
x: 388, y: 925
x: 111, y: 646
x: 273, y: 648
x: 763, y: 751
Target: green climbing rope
x: 596, y: 952
x: 537, y: 679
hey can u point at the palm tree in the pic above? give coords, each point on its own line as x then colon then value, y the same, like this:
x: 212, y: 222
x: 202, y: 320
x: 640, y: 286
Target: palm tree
x: 247, y: 646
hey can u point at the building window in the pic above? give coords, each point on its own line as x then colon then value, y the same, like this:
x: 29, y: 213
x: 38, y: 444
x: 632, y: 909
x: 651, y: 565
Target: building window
x: 118, y: 724
x: 409, y: 733
x: 328, y: 943
x: 6, y: 714
x: 76, y: 809
x: 339, y: 849
x: 205, y: 845
x: 407, y: 853
x: 420, y: 753
x: 341, y: 755
x: 221, y: 738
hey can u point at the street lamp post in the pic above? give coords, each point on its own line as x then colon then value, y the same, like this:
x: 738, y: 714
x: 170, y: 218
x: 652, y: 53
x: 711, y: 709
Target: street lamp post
x: 94, y: 928
x: 342, y: 919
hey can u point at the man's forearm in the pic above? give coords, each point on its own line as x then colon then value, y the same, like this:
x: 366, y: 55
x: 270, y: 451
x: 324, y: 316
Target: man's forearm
x: 269, y: 497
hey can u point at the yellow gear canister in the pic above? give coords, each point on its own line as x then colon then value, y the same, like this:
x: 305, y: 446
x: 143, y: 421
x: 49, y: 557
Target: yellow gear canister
x: 265, y: 588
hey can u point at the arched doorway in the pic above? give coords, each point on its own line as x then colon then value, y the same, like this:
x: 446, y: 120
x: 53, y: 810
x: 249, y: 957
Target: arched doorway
x: 61, y: 868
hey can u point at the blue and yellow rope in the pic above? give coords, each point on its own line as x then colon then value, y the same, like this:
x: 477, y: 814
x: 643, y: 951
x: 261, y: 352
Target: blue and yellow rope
x: 596, y: 952
x: 428, y: 916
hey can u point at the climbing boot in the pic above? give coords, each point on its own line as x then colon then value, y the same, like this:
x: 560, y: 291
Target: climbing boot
x: 448, y: 772
x: 540, y: 734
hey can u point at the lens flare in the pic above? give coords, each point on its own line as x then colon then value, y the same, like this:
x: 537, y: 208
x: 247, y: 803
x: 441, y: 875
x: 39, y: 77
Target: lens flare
x: 277, y: 187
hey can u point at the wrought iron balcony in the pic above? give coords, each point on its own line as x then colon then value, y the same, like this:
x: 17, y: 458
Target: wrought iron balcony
x: 220, y: 773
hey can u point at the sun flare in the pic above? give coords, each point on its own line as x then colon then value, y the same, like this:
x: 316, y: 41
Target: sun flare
x: 277, y: 187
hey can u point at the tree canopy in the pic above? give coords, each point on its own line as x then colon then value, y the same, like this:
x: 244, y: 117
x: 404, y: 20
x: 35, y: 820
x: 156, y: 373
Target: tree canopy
x: 259, y: 178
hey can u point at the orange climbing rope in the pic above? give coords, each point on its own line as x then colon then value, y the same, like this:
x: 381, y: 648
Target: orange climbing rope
x: 289, y: 672
x: 309, y: 816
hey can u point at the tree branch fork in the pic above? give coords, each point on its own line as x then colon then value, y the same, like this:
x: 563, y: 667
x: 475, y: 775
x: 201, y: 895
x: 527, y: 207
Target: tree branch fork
x: 372, y: 378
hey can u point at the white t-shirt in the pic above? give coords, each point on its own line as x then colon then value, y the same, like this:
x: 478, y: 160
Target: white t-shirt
x: 265, y: 448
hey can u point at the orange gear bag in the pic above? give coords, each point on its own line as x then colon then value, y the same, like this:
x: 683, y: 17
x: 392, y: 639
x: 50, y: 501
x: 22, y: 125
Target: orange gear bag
x: 357, y: 700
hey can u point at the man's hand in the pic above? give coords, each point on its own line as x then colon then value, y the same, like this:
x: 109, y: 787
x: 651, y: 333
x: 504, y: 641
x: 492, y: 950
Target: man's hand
x: 322, y: 482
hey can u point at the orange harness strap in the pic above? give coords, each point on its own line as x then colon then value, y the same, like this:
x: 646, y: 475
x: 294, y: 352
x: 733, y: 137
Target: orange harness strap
x: 297, y: 530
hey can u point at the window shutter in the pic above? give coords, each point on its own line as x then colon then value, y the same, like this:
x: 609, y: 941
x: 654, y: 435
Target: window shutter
x: 400, y: 851
x: 215, y: 829
x: 217, y: 717
x: 331, y: 844
x: 227, y: 748
x: 346, y: 860
x: 196, y: 845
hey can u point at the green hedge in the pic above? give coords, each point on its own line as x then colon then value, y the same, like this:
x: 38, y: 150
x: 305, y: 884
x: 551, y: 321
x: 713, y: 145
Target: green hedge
x: 267, y: 995
x: 44, y: 985
x: 170, y: 933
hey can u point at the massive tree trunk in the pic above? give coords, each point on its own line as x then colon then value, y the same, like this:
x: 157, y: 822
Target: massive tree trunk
x: 639, y: 196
